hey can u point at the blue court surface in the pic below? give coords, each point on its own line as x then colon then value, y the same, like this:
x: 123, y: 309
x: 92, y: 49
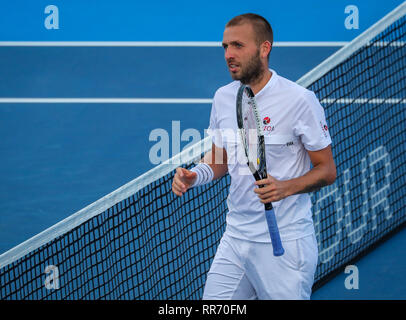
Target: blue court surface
x: 56, y: 158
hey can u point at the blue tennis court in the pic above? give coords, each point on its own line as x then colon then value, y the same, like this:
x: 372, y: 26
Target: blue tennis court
x: 69, y: 137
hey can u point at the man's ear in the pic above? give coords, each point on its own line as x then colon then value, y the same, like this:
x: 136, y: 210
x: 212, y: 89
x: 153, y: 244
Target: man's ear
x: 265, y: 49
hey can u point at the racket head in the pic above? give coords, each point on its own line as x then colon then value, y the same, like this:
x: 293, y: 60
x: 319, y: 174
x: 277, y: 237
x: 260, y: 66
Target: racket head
x: 251, y: 131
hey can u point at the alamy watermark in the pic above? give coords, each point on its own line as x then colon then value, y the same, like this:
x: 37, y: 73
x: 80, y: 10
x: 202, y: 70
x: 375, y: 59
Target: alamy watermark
x: 166, y: 142
x: 52, y: 19
x: 352, y: 280
x: 52, y: 278
x: 352, y: 19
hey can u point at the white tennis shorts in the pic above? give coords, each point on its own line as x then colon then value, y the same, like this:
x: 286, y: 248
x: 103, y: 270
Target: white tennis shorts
x: 245, y: 270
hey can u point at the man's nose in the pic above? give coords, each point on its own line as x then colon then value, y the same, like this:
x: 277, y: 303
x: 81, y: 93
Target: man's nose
x: 228, y: 54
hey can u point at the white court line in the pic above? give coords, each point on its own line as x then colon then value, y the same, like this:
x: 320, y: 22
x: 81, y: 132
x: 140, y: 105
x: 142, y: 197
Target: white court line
x: 177, y: 43
x: 363, y: 100
x: 159, y: 43
x: 390, y: 44
x: 180, y: 100
x: 107, y: 100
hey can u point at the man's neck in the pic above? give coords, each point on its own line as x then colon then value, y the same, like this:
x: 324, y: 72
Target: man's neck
x: 258, y: 85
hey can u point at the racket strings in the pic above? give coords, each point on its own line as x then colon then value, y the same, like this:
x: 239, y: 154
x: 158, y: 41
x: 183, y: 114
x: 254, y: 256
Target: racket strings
x: 250, y: 132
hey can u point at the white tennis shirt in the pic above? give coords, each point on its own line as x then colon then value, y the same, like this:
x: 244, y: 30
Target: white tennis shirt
x: 293, y: 122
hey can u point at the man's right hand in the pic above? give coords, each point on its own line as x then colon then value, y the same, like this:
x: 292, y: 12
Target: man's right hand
x: 182, y: 181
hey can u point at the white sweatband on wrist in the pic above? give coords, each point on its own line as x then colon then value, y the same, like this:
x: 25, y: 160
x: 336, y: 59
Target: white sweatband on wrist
x: 204, y: 173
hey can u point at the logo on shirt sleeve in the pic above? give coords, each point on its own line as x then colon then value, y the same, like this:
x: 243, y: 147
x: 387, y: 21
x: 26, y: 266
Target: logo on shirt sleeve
x: 324, y: 128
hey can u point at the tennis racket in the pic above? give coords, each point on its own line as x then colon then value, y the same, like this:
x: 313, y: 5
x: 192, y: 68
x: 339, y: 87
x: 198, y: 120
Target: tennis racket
x: 252, y: 137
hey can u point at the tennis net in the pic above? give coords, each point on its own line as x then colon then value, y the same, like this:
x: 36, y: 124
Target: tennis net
x: 143, y: 242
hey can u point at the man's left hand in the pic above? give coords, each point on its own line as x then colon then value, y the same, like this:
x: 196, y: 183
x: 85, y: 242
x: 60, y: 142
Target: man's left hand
x: 272, y: 190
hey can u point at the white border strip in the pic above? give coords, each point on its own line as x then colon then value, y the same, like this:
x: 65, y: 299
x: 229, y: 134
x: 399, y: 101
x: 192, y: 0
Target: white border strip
x: 159, y: 43
x: 107, y: 100
x: 353, y: 46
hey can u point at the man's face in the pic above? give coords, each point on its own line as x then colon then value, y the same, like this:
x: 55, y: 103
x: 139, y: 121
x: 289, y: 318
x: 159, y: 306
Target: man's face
x: 242, y: 53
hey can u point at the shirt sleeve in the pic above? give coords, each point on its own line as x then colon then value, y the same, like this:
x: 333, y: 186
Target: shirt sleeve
x: 311, y: 125
x: 214, y: 130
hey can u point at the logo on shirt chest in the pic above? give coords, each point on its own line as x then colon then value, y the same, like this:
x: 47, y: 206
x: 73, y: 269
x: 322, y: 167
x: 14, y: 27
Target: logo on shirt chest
x: 268, y: 127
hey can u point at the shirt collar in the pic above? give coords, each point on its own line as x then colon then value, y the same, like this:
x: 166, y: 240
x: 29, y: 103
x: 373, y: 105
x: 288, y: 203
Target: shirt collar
x: 269, y: 84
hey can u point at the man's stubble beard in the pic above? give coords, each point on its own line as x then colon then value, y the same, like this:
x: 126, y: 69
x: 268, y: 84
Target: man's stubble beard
x: 252, y: 72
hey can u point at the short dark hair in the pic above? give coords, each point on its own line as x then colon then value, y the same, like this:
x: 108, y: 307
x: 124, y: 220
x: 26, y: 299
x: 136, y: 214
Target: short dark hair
x: 262, y: 28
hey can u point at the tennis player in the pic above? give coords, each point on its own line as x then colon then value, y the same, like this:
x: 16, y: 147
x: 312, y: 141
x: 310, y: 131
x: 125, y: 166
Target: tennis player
x: 296, y: 136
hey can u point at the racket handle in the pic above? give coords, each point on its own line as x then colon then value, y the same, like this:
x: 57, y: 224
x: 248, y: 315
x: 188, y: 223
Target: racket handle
x: 274, y: 233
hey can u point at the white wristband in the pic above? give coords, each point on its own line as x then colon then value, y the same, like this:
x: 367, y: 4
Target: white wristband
x: 204, y: 172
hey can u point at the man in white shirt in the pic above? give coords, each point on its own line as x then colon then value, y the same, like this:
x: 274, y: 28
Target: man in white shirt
x: 296, y: 136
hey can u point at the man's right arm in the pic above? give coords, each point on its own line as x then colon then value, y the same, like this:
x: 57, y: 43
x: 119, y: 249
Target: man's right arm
x: 216, y: 158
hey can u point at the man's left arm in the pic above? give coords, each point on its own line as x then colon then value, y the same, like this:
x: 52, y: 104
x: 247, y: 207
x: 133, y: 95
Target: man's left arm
x: 322, y: 174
